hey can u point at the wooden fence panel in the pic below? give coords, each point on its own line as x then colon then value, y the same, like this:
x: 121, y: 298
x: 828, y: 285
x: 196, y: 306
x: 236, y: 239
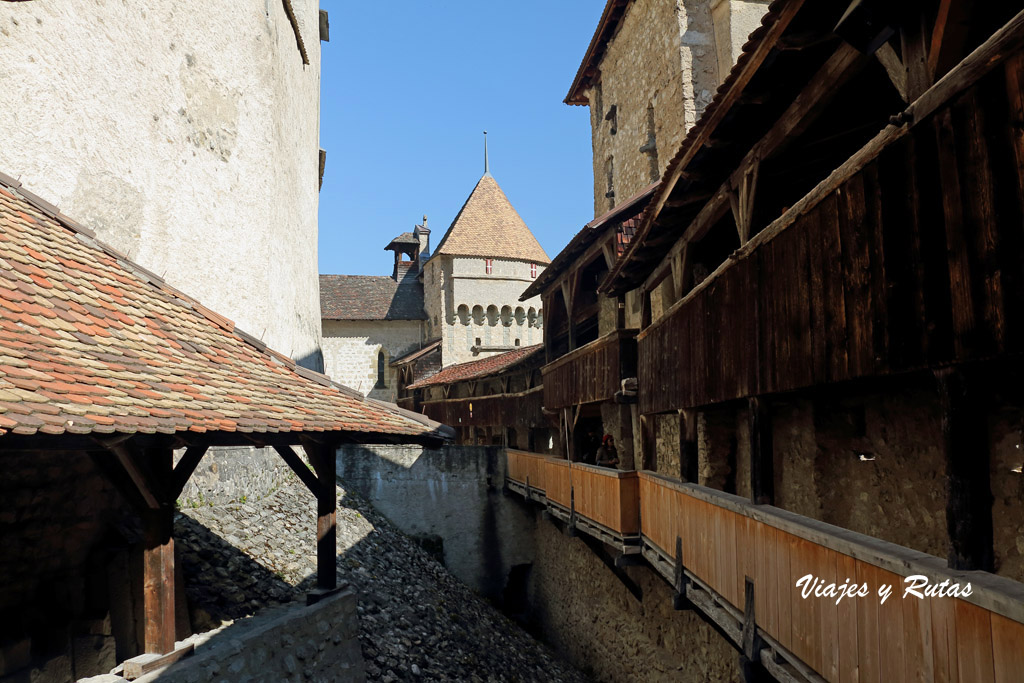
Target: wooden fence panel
x: 591, y: 372
x: 557, y: 477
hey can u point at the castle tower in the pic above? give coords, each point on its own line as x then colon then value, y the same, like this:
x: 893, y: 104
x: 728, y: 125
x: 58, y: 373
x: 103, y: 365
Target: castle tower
x: 474, y: 278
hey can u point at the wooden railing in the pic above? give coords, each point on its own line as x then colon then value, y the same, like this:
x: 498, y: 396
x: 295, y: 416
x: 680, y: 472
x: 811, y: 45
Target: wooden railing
x: 881, y: 269
x: 608, y: 497
x: 725, y: 539
x: 593, y: 372
x: 495, y: 410
x: 558, y: 476
x: 526, y: 467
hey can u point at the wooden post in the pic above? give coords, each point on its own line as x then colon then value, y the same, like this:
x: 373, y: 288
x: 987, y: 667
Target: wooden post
x: 688, y: 446
x: 325, y: 463
x: 158, y: 556
x: 969, y: 488
x: 762, y: 465
x: 649, y: 442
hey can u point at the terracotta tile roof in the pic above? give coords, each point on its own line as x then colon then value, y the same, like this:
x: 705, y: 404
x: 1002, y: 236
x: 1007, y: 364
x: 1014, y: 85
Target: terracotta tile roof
x: 417, y: 354
x: 476, y: 369
x: 613, y: 12
x: 371, y: 297
x: 625, y: 217
x: 488, y: 226
x: 93, y: 344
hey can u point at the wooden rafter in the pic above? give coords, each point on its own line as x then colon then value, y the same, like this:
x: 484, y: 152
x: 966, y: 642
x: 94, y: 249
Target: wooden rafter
x: 948, y: 37
x: 893, y: 66
x: 293, y: 461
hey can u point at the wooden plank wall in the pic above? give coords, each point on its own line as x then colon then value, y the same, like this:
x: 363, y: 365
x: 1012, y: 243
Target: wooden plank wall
x: 900, y: 641
x: 558, y: 478
x: 589, y: 373
x: 916, y: 261
x: 500, y: 410
x: 608, y: 497
x: 523, y: 466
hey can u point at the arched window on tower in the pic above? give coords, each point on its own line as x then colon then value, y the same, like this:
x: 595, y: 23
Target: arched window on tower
x: 381, y: 370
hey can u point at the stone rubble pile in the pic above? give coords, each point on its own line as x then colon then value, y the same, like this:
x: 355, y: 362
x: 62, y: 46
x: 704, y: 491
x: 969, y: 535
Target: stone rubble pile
x: 417, y: 621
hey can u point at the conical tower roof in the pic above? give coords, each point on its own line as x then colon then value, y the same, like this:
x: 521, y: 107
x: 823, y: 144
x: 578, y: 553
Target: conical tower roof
x: 488, y: 226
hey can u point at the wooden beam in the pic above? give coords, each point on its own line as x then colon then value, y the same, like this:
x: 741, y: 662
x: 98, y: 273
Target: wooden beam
x: 158, y: 563
x: 805, y: 109
x: 762, y: 466
x: 688, y: 458
x: 968, y: 463
x: 608, y: 250
x: 914, y: 45
x: 133, y: 468
x: 325, y: 463
x: 293, y: 461
x: 893, y: 66
x: 948, y: 37
x: 186, y: 466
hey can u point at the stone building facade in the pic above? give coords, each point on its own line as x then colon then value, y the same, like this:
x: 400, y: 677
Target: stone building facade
x: 650, y: 71
x: 464, y: 295
x: 197, y: 153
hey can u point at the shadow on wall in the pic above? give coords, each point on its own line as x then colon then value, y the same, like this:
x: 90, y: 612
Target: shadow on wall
x: 451, y: 501
x: 312, y: 361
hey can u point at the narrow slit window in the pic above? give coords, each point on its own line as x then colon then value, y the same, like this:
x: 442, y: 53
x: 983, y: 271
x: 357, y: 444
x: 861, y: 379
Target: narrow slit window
x: 533, y: 270
x: 488, y: 265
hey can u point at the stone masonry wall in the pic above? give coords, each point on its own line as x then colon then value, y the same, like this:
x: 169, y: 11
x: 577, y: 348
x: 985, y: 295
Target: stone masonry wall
x: 287, y: 644
x: 227, y: 475
x: 452, y: 500
x: 197, y: 155
x: 590, y: 616
x: 351, y: 348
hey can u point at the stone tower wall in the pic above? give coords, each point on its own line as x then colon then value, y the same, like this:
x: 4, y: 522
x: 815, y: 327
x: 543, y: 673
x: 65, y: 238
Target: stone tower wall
x: 186, y: 135
x: 468, y: 293
x: 659, y: 72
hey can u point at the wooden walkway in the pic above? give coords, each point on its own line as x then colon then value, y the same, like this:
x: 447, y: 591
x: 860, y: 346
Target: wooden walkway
x: 739, y: 564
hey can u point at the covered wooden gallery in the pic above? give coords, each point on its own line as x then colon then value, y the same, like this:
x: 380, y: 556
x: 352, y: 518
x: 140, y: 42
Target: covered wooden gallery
x: 105, y: 371
x: 589, y: 339
x: 861, y: 175
x: 492, y: 401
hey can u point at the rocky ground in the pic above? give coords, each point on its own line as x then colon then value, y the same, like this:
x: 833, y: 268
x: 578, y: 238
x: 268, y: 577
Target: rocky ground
x: 417, y: 622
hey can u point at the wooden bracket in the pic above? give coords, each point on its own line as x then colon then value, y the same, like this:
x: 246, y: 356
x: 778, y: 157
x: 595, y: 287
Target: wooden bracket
x: 679, y: 600
x: 741, y: 199
x: 893, y: 66
x: 609, y: 253
x: 186, y: 466
x: 293, y: 461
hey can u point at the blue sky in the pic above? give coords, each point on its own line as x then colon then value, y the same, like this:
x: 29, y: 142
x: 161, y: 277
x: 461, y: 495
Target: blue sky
x: 407, y: 89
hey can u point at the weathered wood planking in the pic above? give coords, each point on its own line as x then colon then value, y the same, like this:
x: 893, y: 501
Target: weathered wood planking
x: 861, y: 639
x: 913, y: 261
x: 590, y: 373
x: 496, y: 410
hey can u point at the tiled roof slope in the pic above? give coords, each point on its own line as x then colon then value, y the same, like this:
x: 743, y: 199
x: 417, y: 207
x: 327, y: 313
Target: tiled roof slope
x: 371, y: 297
x: 476, y: 369
x: 91, y: 343
x: 489, y: 227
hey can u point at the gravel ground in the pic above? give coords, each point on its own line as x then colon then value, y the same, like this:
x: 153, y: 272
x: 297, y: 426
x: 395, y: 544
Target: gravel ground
x: 417, y: 621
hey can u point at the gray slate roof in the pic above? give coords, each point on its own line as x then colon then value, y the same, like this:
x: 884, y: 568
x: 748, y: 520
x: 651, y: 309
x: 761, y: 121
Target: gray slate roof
x: 370, y: 297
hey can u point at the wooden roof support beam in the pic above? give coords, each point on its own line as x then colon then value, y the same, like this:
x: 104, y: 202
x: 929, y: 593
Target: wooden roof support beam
x: 893, y: 65
x: 326, y: 465
x: 293, y: 461
x: 820, y: 90
x: 186, y: 466
x: 949, y: 37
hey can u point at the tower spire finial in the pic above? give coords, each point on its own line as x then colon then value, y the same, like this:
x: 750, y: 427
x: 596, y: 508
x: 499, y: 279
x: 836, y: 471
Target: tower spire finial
x: 487, y: 167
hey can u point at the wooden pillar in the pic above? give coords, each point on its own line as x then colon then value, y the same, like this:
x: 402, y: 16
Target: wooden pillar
x: 649, y: 442
x: 968, y: 477
x: 688, y: 446
x: 325, y: 463
x: 158, y: 556
x: 762, y: 454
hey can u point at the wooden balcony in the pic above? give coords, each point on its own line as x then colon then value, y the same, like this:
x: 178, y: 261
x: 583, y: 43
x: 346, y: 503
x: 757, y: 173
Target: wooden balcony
x: 740, y: 564
x: 593, y: 372
x: 723, y: 539
x: 496, y: 410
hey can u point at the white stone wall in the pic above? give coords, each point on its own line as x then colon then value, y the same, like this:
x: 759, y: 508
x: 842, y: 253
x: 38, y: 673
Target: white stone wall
x: 478, y: 305
x: 351, y: 348
x: 734, y: 21
x: 184, y: 132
